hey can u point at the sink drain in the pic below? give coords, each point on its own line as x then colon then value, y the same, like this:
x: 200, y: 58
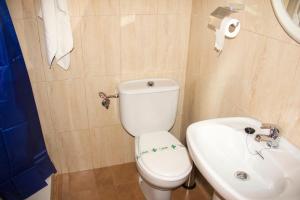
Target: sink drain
x: 241, y: 175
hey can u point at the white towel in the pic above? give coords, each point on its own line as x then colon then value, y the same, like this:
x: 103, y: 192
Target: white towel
x: 58, y: 32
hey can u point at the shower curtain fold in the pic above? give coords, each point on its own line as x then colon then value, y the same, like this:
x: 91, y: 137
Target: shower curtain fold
x: 24, y: 161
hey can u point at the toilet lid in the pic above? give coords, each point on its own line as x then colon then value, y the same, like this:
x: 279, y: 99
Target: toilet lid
x: 161, y: 154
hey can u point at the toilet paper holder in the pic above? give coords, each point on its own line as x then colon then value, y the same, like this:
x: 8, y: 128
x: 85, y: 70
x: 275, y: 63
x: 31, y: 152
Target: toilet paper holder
x: 224, y: 25
x: 220, y: 13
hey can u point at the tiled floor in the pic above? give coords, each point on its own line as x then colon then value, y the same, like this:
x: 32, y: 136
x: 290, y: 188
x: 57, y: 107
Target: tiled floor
x: 118, y: 182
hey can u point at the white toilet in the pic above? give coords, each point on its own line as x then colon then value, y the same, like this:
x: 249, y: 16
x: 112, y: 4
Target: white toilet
x: 148, y: 110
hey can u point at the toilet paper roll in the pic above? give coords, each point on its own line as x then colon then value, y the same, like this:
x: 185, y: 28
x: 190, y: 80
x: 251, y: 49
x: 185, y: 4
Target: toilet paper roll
x: 229, y: 27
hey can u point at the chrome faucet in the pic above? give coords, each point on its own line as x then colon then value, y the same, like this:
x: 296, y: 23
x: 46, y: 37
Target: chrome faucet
x: 272, y: 139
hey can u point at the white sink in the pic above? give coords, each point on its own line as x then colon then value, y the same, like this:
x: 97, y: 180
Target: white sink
x: 220, y: 148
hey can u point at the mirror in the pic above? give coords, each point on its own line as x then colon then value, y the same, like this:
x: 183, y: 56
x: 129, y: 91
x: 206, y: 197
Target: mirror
x: 293, y: 9
x: 288, y: 15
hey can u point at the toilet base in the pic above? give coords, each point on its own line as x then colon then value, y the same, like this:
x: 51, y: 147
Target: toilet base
x: 152, y: 193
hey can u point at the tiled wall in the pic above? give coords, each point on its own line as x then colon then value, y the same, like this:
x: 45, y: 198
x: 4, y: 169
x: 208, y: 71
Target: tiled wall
x: 257, y: 74
x: 114, y: 40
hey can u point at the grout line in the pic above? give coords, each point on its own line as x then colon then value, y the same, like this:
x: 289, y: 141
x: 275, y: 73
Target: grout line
x: 91, y: 155
x: 45, y: 81
x: 40, y: 45
x: 270, y: 37
x: 120, y: 43
x: 126, y: 14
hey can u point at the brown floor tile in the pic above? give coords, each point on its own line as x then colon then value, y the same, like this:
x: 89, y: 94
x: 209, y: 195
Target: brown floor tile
x: 84, y: 180
x: 108, y: 192
x: 64, y: 192
x: 124, y: 174
x: 183, y: 194
x: 103, y: 176
x: 130, y: 191
x: 55, y: 187
x: 84, y: 195
x: 113, y: 183
x: 204, y: 186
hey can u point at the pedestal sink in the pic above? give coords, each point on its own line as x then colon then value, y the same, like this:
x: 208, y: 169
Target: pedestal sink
x: 240, y: 168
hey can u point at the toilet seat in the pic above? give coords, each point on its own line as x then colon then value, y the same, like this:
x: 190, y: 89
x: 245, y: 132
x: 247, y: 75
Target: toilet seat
x: 162, y: 159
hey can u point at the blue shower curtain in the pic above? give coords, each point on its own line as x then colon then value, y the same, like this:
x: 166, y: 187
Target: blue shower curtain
x: 24, y: 161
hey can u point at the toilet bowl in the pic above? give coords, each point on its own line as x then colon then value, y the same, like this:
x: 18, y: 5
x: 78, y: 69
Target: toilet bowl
x: 163, y: 164
x: 148, y: 110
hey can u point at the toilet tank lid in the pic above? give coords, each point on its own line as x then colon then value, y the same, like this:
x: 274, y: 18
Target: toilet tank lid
x: 147, y: 86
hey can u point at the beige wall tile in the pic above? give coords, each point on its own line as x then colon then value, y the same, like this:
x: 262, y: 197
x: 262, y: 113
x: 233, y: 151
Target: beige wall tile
x: 294, y: 137
x: 227, y: 76
x: 168, y: 53
x: 28, y: 37
x: 197, y: 43
x: 75, y: 148
x: 54, y: 150
x: 198, y: 6
x: 138, y: 43
x: 174, y: 6
x: 185, y: 7
x: 101, y: 45
x: 176, y: 129
x: 184, y: 22
x: 275, y: 67
x: 210, y: 76
x: 289, y: 121
x: 169, y: 46
x: 21, y: 9
x: 98, y: 115
x: 168, y: 6
x: 43, y: 107
x: 74, y: 7
x: 138, y: 6
x: 181, y: 97
x: 190, y: 93
x: 68, y: 105
x: 99, y: 7
x: 128, y: 146
x: 205, y: 7
x: 234, y: 70
x: 111, y: 146
x: 55, y: 72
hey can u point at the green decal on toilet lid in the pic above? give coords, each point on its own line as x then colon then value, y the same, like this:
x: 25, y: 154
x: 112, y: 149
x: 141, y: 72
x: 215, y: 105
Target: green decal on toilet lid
x: 144, y: 152
x: 162, y: 148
